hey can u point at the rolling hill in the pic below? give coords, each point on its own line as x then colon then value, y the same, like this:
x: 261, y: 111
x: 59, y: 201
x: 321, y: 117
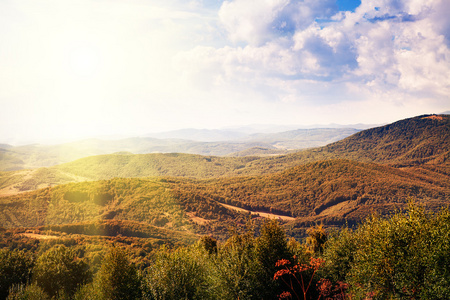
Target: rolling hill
x: 375, y: 170
x: 414, y: 141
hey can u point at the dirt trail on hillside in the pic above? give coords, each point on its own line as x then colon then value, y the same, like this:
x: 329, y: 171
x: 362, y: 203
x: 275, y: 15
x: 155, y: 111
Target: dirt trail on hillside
x: 262, y: 214
x: 40, y: 236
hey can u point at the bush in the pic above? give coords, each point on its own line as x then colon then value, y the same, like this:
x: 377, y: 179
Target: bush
x: 29, y: 292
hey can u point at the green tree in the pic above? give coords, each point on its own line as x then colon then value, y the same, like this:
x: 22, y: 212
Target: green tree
x: 271, y: 246
x: 339, y: 253
x: 208, y: 243
x: 404, y: 256
x: 60, y: 271
x: 437, y: 280
x: 15, y: 268
x: 237, y: 271
x: 317, y: 236
x: 118, y: 279
x: 179, y: 274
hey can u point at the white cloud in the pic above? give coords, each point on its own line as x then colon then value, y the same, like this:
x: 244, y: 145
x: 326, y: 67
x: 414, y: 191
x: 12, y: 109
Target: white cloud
x: 257, y: 22
x: 250, y: 20
x: 383, y: 46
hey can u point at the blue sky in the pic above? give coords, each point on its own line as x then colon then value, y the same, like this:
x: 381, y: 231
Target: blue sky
x: 348, y: 5
x: 74, y: 69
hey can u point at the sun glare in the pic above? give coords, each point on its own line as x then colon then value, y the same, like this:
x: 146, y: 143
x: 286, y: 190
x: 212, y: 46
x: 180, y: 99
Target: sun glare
x: 83, y: 62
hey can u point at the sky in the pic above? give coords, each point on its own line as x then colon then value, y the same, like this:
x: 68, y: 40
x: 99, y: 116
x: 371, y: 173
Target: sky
x: 73, y: 69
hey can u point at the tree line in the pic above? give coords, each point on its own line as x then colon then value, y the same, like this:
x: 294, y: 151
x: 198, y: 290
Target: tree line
x: 403, y: 256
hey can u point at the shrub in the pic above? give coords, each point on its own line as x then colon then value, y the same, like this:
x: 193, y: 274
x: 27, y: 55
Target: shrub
x: 27, y: 292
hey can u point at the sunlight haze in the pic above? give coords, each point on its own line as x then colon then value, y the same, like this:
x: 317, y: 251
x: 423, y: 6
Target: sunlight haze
x: 77, y: 69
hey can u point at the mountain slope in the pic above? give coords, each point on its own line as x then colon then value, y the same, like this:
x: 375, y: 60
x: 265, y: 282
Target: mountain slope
x: 423, y: 139
x: 309, y: 190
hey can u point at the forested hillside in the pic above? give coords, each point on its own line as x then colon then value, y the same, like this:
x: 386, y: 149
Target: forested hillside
x: 415, y: 141
x: 333, y: 192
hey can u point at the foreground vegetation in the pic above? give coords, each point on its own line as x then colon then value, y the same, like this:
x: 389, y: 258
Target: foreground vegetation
x: 403, y: 256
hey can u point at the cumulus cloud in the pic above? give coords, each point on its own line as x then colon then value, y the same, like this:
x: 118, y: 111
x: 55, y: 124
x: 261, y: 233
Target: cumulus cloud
x: 256, y: 22
x: 385, y: 46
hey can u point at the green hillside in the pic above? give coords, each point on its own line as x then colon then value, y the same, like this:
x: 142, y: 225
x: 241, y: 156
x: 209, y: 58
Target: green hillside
x: 145, y: 165
x: 128, y: 199
x: 333, y: 192
x: 423, y: 139
x: 122, y: 166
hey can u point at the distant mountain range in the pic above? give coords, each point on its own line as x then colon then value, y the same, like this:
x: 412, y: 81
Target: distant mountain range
x: 245, y: 132
x: 192, y: 141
